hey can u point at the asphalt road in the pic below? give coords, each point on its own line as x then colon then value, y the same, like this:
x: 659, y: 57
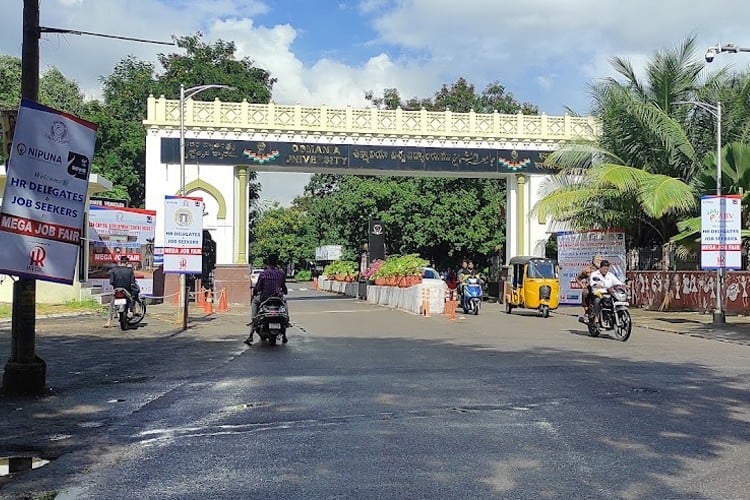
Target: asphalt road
x: 366, y: 402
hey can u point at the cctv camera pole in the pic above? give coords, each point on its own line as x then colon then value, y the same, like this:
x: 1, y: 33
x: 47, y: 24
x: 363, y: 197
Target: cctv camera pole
x: 25, y: 373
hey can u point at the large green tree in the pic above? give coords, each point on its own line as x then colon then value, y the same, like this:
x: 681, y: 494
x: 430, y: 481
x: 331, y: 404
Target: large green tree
x: 286, y: 232
x: 121, y: 154
x: 442, y: 219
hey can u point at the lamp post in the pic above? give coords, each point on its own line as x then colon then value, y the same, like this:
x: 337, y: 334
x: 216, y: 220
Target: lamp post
x: 184, y: 95
x: 717, y: 49
x: 715, y: 111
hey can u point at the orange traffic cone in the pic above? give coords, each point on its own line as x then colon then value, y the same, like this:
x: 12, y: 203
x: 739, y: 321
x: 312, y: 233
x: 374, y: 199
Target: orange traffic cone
x: 176, y: 300
x: 426, y: 302
x: 209, y: 304
x: 223, y: 306
x: 200, y: 297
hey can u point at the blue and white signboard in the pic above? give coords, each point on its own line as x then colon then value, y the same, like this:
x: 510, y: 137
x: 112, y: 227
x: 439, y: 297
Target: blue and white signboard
x: 42, y: 214
x: 721, y: 232
x: 183, y: 235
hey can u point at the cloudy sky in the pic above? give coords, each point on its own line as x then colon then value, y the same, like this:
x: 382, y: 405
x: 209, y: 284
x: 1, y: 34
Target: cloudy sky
x: 332, y: 51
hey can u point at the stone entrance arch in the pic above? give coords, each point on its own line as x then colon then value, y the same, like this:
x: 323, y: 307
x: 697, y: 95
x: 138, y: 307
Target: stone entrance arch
x: 226, y: 139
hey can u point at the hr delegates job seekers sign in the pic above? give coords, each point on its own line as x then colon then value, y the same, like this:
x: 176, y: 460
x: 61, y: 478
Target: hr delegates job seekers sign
x: 721, y: 232
x: 183, y: 235
x: 45, y: 193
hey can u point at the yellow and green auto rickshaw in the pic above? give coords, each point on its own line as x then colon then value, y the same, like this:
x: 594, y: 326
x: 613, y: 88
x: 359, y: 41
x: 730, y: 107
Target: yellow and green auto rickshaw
x: 533, y: 283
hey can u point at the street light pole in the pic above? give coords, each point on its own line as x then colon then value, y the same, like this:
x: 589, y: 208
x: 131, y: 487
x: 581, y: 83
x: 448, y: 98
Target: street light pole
x: 720, y: 48
x: 187, y: 94
x: 715, y: 111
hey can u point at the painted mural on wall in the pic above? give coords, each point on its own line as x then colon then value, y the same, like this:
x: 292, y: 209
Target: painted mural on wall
x: 689, y: 290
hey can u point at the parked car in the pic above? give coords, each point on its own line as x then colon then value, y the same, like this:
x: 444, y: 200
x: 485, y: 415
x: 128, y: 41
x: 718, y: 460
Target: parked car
x: 430, y: 275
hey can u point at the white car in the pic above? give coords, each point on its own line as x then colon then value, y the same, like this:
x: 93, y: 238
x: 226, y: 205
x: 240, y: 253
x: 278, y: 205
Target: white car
x: 254, y: 276
x: 430, y: 275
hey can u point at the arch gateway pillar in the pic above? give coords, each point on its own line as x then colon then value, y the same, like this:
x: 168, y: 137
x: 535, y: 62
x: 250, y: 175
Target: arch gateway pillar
x: 225, y: 140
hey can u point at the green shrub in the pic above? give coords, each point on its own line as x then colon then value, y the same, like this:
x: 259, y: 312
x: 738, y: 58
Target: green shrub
x: 303, y: 275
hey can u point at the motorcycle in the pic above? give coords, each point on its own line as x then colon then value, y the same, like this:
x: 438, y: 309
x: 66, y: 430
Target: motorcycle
x: 272, y: 320
x: 613, y: 314
x: 471, y: 297
x: 129, y: 311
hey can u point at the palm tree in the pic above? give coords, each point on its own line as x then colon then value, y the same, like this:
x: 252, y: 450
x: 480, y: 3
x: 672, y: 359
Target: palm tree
x: 635, y: 176
x: 735, y: 179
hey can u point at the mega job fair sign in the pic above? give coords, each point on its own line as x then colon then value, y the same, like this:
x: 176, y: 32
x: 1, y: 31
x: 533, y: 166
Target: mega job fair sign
x: 45, y: 193
x: 575, y: 252
x: 721, y: 232
x: 121, y: 231
x: 183, y: 235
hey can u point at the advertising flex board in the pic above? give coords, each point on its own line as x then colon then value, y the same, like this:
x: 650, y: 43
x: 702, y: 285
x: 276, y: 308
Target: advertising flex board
x: 114, y: 232
x: 575, y: 252
x: 183, y: 235
x: 721, y: 232
x: 45, y: 193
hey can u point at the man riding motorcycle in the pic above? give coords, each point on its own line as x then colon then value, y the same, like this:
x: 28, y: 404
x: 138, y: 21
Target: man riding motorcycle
x: 271, y: 283
x: 584, y: 282
x: 601, y: 281
x: 123, y: 276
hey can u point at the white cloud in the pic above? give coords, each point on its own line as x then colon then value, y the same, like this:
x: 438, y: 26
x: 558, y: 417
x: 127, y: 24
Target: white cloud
x: 543, y: 51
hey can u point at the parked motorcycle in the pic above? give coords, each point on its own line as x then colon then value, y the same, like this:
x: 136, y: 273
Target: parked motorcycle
x: 129, y: 311
x: 272, y: 320
x: 613, y: 314
x: 471, y: 298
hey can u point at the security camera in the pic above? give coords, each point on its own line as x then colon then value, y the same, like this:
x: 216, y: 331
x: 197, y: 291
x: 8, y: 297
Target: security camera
x: 710, y: 54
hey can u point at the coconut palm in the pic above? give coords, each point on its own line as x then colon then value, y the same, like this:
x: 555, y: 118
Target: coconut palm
x: 735, y: 179
x: 635, y: 176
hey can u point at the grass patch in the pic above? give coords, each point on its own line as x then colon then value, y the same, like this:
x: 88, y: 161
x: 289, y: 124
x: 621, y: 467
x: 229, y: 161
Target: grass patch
x: 71, y: 306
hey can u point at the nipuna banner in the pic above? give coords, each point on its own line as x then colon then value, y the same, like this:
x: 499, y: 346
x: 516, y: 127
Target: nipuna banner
x: 42, y: 214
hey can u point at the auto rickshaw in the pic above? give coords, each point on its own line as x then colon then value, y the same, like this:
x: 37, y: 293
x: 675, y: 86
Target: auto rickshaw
x: 533, y: 283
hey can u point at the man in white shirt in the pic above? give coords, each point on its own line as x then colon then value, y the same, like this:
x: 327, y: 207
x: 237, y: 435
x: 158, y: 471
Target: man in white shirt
x: 602, y: 280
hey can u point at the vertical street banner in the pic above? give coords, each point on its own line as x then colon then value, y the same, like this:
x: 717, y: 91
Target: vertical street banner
x: 575, y: 252
x: 183, y: 235
x: 118, y: 231
x: 721, y: 232
x: 42, y: 212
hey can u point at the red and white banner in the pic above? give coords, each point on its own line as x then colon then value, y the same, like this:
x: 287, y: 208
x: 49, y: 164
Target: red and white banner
x: 45, y: 193
x: 116, y: 231
x: 183, y: 235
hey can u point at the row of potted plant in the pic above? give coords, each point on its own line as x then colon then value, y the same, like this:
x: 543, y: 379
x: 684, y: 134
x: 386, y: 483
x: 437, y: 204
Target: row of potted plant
x: 396, y: 270
x: 342, y: 270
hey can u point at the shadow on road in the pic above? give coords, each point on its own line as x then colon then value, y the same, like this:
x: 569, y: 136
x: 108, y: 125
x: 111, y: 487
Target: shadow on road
x: 595, y: 426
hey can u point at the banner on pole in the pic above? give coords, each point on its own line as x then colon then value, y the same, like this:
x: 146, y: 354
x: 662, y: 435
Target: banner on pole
x: 721, y: 232
x: 183, y: 235
x: 45, y: 193
x: 114, y: 232
x: 575, y: 252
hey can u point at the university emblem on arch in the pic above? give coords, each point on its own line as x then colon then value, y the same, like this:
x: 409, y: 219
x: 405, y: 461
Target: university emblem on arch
x: 261, y: 155
x: 515, y: 163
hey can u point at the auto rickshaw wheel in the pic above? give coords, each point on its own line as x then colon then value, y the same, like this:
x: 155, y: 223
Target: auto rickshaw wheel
x: 544, y: 311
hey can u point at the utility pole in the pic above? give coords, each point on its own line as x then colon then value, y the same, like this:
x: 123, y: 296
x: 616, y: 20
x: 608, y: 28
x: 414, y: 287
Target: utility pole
x: 25, y: 373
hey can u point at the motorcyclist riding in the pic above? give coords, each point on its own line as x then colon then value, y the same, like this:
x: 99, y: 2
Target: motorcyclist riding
x: 123, y: 276
x: 584, y: 282
x: 601, y: 281
x: 271, y: 283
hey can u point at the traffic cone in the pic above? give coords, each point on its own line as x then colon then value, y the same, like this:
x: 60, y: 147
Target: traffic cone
x: 209, y: 305
x: 176, y: 300
x: 223, y: 306
x: 200, y: 297
x: 426, y: 302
